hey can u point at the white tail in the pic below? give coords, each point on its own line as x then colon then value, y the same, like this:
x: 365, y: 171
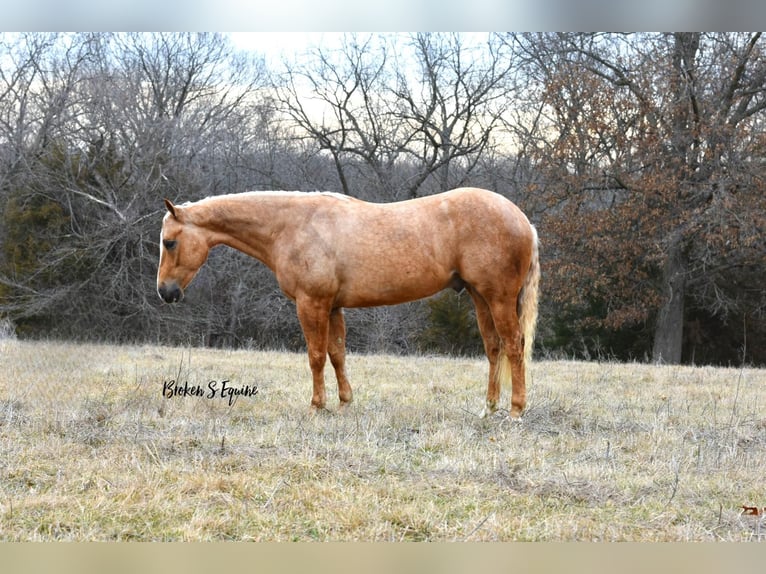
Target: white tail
x: 528, y: 301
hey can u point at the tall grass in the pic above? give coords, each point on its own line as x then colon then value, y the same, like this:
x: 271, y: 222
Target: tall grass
x: 90, y: 449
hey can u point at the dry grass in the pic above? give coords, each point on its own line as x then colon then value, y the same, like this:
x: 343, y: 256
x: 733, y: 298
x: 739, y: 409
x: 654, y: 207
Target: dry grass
x: 91, y: 450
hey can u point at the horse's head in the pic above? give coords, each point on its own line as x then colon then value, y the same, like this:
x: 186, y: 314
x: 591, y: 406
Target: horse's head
x: 183, y: 250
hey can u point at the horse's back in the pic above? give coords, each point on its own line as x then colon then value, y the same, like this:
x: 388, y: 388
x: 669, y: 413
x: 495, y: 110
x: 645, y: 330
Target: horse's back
x: 387, y: 253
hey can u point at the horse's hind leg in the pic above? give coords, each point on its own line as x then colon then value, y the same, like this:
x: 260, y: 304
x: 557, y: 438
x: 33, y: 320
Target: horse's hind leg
x: 506, y: 321
x: 337, y: 350
x: 314, y: 317
x: 491, y: 348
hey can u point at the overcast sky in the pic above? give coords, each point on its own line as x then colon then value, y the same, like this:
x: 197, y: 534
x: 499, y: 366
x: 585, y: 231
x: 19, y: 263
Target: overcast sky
x: 273, y: 45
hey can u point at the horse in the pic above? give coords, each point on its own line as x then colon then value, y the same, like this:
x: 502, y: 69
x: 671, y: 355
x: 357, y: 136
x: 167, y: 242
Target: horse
x: 330, y: 251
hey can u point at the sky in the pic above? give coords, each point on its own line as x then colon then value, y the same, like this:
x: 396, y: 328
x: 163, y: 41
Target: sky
x: 274, y: 45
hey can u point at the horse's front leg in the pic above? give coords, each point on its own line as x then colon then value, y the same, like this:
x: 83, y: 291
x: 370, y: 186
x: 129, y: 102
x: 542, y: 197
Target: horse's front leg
x: 314, y: 316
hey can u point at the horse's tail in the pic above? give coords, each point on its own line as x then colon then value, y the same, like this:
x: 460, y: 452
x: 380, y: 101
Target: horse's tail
x: 527, y: 301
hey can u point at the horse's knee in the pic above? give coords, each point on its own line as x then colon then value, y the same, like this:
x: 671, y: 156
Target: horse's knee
x: 317, y: 360
x: 337, y: 358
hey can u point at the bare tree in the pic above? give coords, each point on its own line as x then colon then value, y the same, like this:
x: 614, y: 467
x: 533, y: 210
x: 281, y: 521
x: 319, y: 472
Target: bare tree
x: 335, y: 99
x: 119, y: 121
x: 409, y: 112
x: 452, y: 105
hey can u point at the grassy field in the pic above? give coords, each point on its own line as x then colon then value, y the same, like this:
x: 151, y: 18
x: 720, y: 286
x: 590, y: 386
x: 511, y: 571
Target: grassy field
x: 91, y: 449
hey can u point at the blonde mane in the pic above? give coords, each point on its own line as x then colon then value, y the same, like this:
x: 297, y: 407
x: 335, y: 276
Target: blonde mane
x: 272, y: 193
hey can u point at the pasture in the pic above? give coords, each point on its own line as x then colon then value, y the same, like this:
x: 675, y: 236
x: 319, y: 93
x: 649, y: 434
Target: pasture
x: 91, y: 449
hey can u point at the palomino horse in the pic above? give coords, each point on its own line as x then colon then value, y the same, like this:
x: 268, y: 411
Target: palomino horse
x: 330, y: 251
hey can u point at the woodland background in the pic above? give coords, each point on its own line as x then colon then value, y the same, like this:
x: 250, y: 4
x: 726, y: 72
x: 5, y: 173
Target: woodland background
x: 639, y: 157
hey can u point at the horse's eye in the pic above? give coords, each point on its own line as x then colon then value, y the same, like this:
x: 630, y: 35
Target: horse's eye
x: 169, y: 244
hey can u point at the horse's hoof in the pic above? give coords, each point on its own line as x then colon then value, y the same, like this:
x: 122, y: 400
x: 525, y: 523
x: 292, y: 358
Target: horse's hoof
x: 489, y: 408
x: 315, y: 410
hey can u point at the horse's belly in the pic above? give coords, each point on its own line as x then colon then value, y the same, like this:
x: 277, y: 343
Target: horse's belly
x: 389, y: 291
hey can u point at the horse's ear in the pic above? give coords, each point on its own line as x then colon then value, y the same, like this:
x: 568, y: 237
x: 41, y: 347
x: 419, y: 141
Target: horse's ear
x: 171, y: 208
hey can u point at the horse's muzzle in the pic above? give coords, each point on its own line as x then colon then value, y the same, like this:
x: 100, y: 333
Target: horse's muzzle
x: 170, y: 293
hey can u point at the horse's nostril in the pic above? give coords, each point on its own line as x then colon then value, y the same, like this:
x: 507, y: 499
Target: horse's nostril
x: 170, y: 293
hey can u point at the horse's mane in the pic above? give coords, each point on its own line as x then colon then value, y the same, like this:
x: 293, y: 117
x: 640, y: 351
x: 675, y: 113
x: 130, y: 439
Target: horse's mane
x: 271, y: 193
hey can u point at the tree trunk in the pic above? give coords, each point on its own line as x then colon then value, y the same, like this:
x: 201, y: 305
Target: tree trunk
x: 685, y: 117
x: 669, y: 331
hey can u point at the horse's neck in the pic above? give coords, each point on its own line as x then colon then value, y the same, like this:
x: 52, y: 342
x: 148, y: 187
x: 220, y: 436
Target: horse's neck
x: 247, y: 223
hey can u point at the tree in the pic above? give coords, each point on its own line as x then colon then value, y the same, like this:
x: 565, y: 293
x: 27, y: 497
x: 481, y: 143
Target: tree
x: 109, y: 125
x: 418, y: 121
x: 650, y: 171
x: 636, y: 155
x: 452, y: 327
